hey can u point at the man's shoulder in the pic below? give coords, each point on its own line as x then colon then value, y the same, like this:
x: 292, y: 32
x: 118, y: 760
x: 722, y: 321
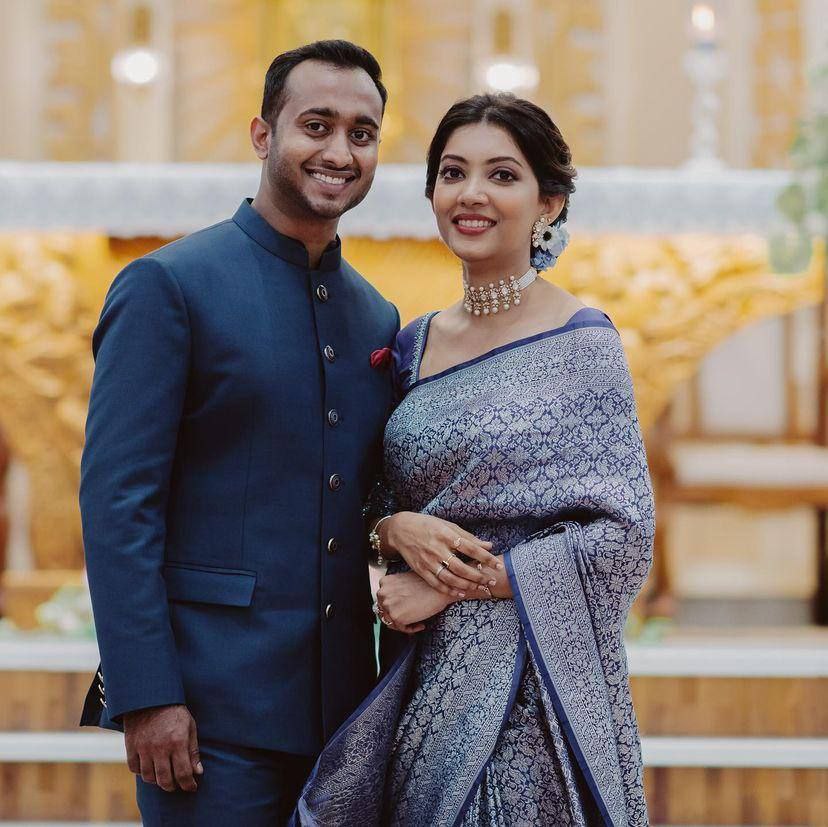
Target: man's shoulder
x: 193, y: 247
x: 370, y: 294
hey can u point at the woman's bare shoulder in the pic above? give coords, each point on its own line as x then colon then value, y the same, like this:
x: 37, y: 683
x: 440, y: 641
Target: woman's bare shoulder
x: 557, y: 305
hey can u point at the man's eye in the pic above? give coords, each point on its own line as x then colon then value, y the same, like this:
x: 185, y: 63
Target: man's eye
x: 362, y: 135
x: 315, y: 126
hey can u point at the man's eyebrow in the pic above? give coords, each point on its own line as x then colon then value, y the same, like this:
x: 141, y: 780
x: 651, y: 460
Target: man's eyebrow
x: 326, y: 112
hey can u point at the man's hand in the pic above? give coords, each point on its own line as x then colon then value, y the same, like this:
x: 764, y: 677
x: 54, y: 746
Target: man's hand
x: 162, y: 747
x: 406, y: 600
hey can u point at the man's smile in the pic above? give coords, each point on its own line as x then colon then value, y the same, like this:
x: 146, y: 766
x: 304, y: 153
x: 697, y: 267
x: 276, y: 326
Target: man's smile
x: 331, y: 178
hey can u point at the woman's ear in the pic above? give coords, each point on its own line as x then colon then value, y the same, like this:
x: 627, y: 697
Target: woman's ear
x: 553, y: 206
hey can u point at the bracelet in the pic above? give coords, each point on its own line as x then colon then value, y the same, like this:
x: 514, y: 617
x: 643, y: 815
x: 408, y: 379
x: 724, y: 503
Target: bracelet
x: 376, y: 542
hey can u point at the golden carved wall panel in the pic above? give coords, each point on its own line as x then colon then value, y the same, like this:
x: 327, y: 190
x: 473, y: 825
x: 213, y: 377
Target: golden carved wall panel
x: 779, y: 86
x: 569, y: 50
x: 672, y: 298
x: 45, y: 373
x: 77, y: 106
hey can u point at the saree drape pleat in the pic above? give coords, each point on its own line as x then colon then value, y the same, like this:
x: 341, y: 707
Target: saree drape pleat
x: 518, y: 711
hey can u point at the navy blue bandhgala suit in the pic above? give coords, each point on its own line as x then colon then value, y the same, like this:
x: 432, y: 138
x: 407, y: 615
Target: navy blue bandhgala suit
x: 234, y: 431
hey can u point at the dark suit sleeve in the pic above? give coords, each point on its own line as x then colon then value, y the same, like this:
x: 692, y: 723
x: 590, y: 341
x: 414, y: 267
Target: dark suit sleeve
x: 142, y: 351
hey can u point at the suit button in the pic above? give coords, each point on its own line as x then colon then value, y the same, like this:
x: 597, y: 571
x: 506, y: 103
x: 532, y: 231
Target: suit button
x: 322, y: 293
x: 329, y: 611
x: 335, y: 482
x: 330, y: 353
x: 333, y: 417
x: 333, y: 545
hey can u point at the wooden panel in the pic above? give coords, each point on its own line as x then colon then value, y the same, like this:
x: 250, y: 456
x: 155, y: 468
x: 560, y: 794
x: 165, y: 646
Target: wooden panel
x: 81, y: 792
x: 731, y: 706
x: 36, y: 701
x: 693, y: 795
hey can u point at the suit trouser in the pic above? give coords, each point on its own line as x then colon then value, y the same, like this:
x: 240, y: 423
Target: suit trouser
x: 240, y: 787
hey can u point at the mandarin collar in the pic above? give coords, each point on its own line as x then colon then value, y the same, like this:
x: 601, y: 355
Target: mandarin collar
x: 280, y: 245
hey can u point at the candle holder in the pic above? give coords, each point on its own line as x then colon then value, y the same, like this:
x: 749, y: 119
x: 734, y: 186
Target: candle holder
x: 705, y: 64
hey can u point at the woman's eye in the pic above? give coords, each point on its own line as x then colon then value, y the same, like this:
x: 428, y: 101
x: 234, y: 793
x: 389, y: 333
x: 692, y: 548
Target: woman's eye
x: 504, y: 175
x: 450, y: 173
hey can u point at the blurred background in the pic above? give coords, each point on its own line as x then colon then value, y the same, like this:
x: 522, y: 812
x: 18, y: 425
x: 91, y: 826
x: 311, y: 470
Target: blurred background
x: 701, y: 134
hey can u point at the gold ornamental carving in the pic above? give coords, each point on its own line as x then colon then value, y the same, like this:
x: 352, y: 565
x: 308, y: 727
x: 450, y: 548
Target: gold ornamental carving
x: 45, y: 374
x: 672, y: 298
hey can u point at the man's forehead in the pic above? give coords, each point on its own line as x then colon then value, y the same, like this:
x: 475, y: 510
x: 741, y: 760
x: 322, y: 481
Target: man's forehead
x: 347, y: 93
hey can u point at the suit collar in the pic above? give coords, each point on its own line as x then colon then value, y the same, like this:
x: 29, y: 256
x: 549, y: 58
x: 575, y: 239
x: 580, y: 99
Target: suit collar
x: 280, y: 245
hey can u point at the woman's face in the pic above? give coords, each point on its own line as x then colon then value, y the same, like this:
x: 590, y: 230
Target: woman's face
x: 486, y: 197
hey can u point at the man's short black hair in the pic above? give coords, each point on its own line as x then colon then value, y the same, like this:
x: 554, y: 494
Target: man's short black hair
x: 340, y: 53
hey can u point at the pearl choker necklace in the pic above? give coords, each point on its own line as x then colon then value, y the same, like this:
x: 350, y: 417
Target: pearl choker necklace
x: 486, y: 300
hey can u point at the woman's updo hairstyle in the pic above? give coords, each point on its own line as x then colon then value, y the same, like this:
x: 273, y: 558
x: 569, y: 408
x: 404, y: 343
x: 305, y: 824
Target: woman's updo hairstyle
x: 530, y: 128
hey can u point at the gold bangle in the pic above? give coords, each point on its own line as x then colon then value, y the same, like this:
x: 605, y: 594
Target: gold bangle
x: 376, y: 542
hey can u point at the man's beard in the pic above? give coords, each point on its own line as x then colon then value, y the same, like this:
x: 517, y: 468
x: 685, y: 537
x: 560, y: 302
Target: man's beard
x: 295, y: 201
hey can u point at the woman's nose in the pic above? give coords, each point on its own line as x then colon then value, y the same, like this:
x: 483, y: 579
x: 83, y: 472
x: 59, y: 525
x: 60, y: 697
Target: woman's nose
x: 471, y: 194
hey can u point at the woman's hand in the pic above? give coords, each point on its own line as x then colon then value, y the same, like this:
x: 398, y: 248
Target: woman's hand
x: 427, y: 542
x: 405, y: 600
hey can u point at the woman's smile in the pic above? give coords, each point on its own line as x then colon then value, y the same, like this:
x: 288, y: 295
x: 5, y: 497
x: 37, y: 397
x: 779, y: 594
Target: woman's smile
x: 472, y: 223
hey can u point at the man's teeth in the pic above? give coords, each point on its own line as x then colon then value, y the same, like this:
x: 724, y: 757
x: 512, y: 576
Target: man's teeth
x: 328, y: 179
x: 474, y: 225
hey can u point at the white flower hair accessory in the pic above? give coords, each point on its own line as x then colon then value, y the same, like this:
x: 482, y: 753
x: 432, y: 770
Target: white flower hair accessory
x: 548, y: 242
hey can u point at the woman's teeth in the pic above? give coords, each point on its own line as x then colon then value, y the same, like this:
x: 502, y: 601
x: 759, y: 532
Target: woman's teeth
x: 475, y: 225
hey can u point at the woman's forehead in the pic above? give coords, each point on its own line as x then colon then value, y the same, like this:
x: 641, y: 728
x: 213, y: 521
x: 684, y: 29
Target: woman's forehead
x: 482, y: 141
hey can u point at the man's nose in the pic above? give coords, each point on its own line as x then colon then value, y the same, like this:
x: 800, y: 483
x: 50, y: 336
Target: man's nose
x: 337, y: 151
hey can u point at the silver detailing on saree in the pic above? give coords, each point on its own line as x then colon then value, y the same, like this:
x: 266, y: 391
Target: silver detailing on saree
x: 537, y: 448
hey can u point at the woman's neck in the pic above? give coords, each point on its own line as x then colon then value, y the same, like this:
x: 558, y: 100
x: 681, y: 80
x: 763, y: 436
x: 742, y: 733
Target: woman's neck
x: 483, y: 273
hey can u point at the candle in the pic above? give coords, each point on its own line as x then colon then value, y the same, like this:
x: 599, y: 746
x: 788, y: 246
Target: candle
x: 703, y: 19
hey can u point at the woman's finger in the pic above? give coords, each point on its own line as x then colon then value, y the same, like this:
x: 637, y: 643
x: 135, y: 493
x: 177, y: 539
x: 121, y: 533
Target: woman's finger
x: 477, y: 552
x: 467, y: 535
x: 439, y: 584
x: 480, y: 577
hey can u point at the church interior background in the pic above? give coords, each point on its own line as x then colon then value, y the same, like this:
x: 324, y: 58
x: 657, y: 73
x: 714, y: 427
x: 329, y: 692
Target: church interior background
x: 700, y: 131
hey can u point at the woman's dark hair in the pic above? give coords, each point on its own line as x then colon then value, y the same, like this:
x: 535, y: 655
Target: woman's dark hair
x: 340, y: 53
x: 530, y: 128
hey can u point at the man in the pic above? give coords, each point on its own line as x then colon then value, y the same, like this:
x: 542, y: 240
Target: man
x: 233, y: 432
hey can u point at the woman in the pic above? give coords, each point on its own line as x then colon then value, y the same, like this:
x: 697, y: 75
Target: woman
x: 518, y: 522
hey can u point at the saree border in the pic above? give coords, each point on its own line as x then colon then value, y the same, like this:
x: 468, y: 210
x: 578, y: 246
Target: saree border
x: 560, y: 709
x: 517, y: 673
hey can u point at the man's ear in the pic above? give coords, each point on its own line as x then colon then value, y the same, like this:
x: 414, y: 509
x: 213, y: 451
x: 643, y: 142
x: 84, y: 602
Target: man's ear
x: 260, y: 137
x: 553, y: 205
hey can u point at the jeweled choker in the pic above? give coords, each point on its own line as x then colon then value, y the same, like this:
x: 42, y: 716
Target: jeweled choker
x: 496, y: 297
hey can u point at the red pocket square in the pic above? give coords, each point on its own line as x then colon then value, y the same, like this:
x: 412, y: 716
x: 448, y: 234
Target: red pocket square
x: 381, y: 358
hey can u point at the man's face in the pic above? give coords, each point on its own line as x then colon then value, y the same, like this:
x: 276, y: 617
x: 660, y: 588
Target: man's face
x: 323, y: 150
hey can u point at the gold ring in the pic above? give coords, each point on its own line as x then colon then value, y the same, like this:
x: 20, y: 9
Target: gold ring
x: 443, y: 565
x: 457, y: 542
x: 480, y: 567
x: 446, y: 563
x: 386, y: 621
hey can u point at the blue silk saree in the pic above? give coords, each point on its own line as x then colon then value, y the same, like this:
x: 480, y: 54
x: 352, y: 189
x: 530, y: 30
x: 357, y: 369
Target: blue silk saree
x: 511, y: 712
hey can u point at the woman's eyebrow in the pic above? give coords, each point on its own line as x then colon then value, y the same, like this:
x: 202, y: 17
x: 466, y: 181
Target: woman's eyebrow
x: 498, y: 160
x: 501, y: 158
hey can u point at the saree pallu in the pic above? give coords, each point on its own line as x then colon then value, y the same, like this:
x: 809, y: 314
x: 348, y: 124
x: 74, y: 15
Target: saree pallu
x: 511, y: 712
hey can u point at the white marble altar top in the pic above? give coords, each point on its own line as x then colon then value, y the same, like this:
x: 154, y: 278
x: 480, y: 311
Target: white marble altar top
x: 129, y: 199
